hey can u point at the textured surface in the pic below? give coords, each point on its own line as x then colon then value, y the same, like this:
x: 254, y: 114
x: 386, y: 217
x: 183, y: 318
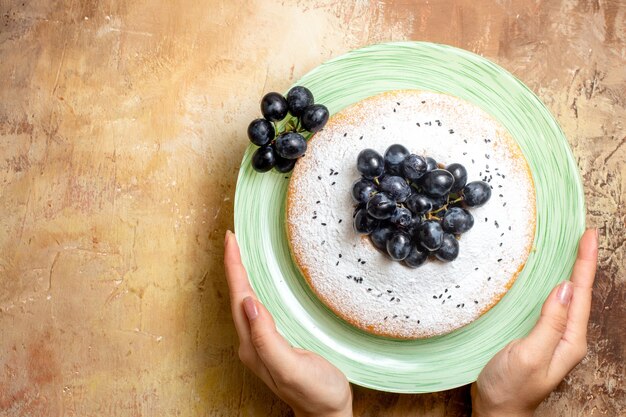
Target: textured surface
x: 383, y: 296
x: 120, y: 137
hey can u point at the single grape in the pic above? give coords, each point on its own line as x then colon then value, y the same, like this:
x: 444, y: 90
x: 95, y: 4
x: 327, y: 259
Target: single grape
x: 363, y: 223
x: 381, y: 206
x: 457, y: 220
x: 412, y: 227
x: 437, y: 182
x: 284, y: 165
x: 314, y: 117
x: 394, y: 156
x: 430, y: 164
x: 362, y: 190
x: 263, y: 159
x: 419, y: 203
x: 290, y: 145
x: 430, y: 235
x: 476, y: 193
x: 370, y: 164
x: 274, y: 107
x: 381, y: 234
x: 299, y: 98
x: 396, y: 187
x: 449, y: 249
x: 261, y: 132
x: 402, y: 217
x: 459, y: 173
x: 439, y: 202
x: 414, y: 167
x: 399, y: 246
x: 417, y: 257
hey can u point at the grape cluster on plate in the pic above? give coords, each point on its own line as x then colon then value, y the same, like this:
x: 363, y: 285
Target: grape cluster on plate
x: 281, y: 149
x: 413, y: 208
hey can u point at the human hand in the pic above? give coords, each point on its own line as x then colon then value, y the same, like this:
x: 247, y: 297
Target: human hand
x: 310, y: 384
x: 522, y: 374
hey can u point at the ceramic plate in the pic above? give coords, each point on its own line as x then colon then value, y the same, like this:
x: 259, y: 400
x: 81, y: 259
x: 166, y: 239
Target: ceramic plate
x: 454, y: 359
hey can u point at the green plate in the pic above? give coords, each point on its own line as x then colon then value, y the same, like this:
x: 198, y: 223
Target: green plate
x: 457, y: 358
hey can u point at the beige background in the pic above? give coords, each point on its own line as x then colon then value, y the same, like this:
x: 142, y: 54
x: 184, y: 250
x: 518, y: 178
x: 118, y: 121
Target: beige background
x: 122, y: 125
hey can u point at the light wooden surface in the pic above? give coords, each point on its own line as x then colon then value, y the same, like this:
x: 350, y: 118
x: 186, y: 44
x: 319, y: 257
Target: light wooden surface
x: 122, y: 125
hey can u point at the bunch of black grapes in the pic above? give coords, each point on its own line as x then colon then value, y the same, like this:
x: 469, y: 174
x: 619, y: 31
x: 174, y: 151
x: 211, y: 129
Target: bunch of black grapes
x: 281, y: 149
x: 413, y: 208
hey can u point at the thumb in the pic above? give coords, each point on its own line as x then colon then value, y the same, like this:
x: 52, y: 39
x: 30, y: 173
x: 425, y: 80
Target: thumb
x: 547, y: 333
x: 272, y: 348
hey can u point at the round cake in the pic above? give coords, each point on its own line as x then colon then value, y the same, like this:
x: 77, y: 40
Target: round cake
x: 367, y: 288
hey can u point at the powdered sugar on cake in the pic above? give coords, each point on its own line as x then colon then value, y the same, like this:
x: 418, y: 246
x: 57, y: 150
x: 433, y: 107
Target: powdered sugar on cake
x: 358, y: 282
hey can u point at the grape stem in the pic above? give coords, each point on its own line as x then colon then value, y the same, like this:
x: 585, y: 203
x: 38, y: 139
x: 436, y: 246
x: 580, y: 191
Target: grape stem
x: 290, y: 126
x: 445, y: 206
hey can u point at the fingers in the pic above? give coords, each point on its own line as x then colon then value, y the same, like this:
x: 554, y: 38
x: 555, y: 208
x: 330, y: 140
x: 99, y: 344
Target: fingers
x: 250, y: 358
x: 238, y: 285
x: 583, y: 275
x: 272, y: 348
x: 261, y: 348
x: 235, y: 271
x: 573, y: 347
x: 544, y: 338
x: 559, y: 337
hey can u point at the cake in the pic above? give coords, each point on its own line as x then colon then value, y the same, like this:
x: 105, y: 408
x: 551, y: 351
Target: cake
x: 359, y: 283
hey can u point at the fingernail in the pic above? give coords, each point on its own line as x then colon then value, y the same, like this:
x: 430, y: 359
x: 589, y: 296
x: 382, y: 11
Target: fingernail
x: 250, y: 308
x: 227, y: 236
x: 564, y: 294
